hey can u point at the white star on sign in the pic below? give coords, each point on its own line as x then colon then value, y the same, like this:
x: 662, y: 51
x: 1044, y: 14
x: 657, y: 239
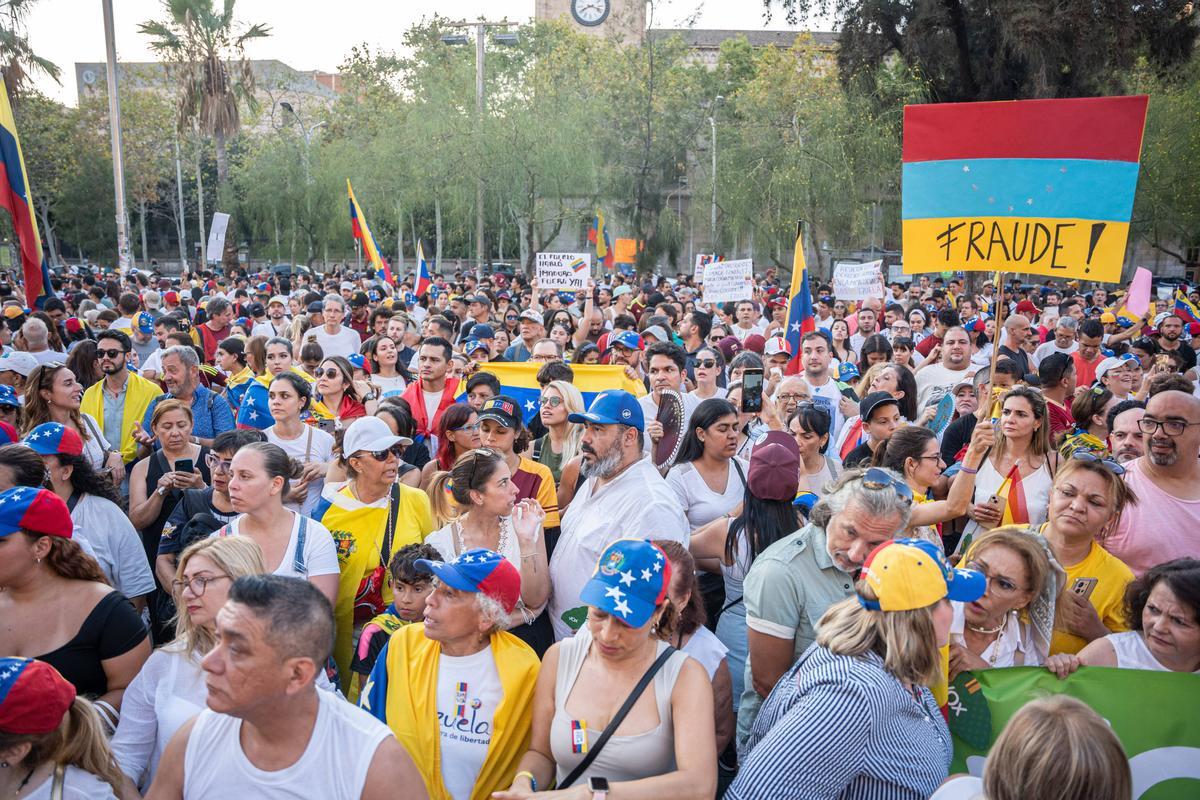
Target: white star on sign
x: 614, y: 592
x: 646, y: 575
x: 623, y: 608
x: 627, y: 578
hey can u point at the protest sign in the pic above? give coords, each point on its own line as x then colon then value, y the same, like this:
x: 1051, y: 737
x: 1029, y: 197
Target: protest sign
x: 567, y: 271
x: 1156, y: 715
x: 1034, y: 186
x: 702, y: 259
x: 725, y: 281
x: 857, y: 281
x: 216, y: 237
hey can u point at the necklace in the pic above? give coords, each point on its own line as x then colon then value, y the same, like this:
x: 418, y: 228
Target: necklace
x: 501, y: 545
x: 987, y: 631
x: 24, y: 783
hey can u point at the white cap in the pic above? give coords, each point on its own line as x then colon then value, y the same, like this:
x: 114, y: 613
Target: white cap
x: 775, y: 346
x: 372, y: 434
x: 19, y: 362
x: 277, y: 299
x: 1110, y: 363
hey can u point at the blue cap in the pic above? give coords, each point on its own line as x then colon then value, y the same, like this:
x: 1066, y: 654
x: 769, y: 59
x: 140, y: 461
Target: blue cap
x: 805, y: 502
x: 8, y: 396
x: 847, y: 370
x: 471, y: 345
x: 613, y: 407
x: 482, y: 331
x: 630, y: 581
x: 410, y: 299
x: 627, y: 339
x: 144, y: 322
x: 1124, y: 322
x: 478, y: 570
x: 264, y: 288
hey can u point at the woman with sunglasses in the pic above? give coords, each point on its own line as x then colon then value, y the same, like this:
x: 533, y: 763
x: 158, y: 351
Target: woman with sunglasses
x: 372, y: 516
x: 457, y: 433
x: 561, y: 442
x: 481, y: 487
x: 289, y: 396
x: 709, y: 368
x: 337, y: 391
x: 1086, y: 503
x: 52, y: 394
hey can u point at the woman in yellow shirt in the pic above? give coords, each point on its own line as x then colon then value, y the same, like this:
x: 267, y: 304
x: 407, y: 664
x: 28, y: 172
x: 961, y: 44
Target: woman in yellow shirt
x: 370, y: 517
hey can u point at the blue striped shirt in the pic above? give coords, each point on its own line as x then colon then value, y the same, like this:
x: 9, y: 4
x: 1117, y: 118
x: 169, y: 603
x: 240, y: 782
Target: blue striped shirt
x: 843, y: 727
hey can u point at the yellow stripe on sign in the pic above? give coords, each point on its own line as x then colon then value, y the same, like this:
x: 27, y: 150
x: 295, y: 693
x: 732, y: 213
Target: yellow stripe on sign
x: 1061, y: 248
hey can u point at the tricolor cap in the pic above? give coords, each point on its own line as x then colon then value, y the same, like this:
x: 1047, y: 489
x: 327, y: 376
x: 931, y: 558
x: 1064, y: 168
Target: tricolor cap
x: 630, y: 581
x: 501, y: 409
x: 776, y: 346
x: 847, y: 370
x: 144, y: 322
x: 359, y: 361
x: 478, y: 571
x: 34, y: 697
x: 54, y: 438
x: 37, y: 510
x: 612, y: 407
x: 264, y: 288
x: 627, y: 339
x: 8, y: 396
x: 906, y: 574
x: 73, y: 325
x: 8, y: 434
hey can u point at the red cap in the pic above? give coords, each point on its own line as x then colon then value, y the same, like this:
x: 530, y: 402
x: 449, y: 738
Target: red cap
x: 1193, y: 329
x: 1026, y: 307
x: 756, y: 343
x: 171, y: 297
x: 34, y: 698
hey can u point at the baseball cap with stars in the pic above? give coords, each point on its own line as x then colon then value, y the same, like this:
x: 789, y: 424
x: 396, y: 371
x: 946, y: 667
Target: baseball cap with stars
x: 630, y: 581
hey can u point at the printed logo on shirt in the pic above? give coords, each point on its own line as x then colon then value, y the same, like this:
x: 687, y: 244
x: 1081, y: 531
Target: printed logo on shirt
x: 346, y: 545
x: 464, y: 725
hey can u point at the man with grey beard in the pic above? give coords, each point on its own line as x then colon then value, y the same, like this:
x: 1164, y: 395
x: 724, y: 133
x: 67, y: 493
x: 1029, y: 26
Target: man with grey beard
x: 1164, y: 524
x: 623, y: 497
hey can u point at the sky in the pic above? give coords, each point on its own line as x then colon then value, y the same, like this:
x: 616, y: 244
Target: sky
x: 313, y: 34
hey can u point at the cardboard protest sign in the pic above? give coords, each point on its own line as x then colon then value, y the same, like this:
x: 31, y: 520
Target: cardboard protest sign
x: 702, y: 259
x: 567, y: 271
x: 726, y: 281
x: 1036, y: 186
x: 858, y: 281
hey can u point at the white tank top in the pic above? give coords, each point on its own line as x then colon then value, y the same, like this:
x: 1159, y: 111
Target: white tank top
x: 1132, y: 652
x: 333, y: 766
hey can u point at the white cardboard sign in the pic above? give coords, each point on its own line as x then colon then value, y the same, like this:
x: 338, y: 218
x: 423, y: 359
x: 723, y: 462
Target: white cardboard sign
x: 857, y: 281
x: 726, y: 281
x: 567, y: 271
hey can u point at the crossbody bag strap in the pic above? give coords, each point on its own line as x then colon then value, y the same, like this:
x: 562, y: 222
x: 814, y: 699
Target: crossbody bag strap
x: 615, y: 722
x: 389, y: 531
x: 738, y: 466
x: 299, y: 563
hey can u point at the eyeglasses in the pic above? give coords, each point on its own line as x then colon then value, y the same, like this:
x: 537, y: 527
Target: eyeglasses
x: 109, y: 353
x: 198, y: 585
x: 997, y: 583
x: 553, y: 401
x: 788, y: 397
x: 1112, y: 466
x: 706, y: 363
x: 1172, y: 427
x: 331, y: 372
x: 474, y: 426
x: 396, y: 450
x: 218, y: 464
x: 876, y: 478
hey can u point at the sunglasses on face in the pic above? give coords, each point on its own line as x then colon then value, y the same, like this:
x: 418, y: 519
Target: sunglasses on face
x: 552, y: 402
x: 706, y: 363
x: 218, y: 464
x: 331, y: 372
x: 474, y: 426
x: 396, y: 450
x: 109, y: 353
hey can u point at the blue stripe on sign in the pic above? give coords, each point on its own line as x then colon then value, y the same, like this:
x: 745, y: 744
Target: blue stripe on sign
x: 1020, y: 187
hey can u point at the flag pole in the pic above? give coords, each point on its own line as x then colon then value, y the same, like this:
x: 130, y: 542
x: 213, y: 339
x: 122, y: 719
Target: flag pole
x: 1000, y: 307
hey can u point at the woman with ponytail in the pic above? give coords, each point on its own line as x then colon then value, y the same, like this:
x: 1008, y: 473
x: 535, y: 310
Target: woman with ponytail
x: 58, y: 607
x: 52, y: 741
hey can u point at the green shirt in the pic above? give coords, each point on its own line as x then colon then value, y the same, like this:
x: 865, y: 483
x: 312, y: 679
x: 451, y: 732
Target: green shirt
x: 787, y: 590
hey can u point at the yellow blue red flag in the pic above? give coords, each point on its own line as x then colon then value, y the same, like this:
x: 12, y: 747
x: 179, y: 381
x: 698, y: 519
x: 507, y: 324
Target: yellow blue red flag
x: 801, y: 319
x: 362, y: 232
x: 15, y: 197
x: 518, y: 380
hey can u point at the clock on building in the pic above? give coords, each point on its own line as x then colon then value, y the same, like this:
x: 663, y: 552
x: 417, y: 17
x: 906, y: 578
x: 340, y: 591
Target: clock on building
x: 590, y: 12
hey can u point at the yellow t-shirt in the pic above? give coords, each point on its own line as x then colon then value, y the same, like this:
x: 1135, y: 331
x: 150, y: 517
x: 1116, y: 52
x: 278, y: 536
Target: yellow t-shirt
x: 357, y: 530
x: 1108, y: 597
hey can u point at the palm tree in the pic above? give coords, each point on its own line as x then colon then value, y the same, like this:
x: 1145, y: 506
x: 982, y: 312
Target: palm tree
x: 208, y: 55
x: 18, y: 62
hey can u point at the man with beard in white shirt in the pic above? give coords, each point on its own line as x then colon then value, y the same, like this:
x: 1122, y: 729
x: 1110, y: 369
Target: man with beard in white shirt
x: 935, y: 380
x: 815, y: 357
x: 623, y: 497
x: 277, y: 322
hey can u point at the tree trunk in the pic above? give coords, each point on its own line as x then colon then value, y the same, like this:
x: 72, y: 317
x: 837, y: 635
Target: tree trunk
x: 437, y: 227
x: 48, y: 230
x: 142, y: 223
x: 222, y: 164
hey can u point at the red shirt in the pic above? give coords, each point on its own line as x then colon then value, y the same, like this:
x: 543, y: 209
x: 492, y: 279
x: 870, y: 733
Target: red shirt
x: 1085, y: 371
x: 927, y: 344
x: 1060, y: 419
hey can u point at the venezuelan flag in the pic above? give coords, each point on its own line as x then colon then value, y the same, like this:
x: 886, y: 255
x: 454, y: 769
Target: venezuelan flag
x: 1037, y: 186
x: 423, y: 279
x: 598, y: 236
x: 801, y: 319
x: 254, y: 409
x: 362, y: 232
x: 519, y: 381
x: 15, y: 198
x: 1185, y: 308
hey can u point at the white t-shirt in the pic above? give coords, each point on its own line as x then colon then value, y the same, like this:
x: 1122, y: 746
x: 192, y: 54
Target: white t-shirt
x: 741, y: 333
x: 320, y: 553
x: 153, y: 363
x: 700, y: 503
x: 268, y: 329
x: 1046, y: 348
x: 343, y: 343
x: 829, y: 395
x: 388, y: 386
x: 114, y: 542
x: 637, y: 504
x: 77, y: 785
x: 468, y: 692
x: 312, y: 445
x: 936, y: 380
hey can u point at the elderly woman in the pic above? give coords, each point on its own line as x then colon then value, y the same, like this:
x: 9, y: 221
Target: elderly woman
x: 370, y: 517
x: 1011, y: 625
x: 57, y: 605
x: 1163, y: 607
x: 854, y: 717
x: 466, y: 742
x: 621, y: 710
x: 52, y: 741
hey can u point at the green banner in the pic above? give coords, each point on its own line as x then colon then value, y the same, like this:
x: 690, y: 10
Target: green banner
x: 1156, y: 715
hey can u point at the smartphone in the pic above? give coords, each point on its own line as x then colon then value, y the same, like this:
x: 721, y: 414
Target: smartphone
x: 752, y: 386
x: 1084, y: 587
x: 183, y: 465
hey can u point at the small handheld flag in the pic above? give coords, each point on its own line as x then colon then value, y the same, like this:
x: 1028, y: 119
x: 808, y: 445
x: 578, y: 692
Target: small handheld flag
x: 423, y: 279
x: 598, y: 236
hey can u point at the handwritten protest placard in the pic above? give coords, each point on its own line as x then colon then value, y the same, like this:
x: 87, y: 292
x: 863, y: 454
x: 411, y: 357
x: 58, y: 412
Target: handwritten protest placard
x: 1035, y: 186
x: 858, y: 281
x: 568, y: 271
x: 725, y: 281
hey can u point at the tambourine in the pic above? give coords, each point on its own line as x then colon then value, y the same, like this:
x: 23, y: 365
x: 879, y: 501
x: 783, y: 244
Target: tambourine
x: 670, y: 415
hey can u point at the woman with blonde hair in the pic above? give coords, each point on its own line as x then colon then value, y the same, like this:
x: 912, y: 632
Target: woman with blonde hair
x: 52, y: 742
x: 170, y: 687
x: 1053, y: 748
x: 52, y: 394
x: 561, y: 442
x: 864, y: 688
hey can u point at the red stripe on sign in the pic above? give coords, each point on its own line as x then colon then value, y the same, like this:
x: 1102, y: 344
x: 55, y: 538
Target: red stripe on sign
x: 1105, y: 128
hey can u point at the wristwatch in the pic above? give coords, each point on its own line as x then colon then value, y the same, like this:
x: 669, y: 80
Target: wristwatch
x: 599, y: 788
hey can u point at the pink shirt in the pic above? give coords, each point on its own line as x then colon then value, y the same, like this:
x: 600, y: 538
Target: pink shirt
x: 1161, y: 527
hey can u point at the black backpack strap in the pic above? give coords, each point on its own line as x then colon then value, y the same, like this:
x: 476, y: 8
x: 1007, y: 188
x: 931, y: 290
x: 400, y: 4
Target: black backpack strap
x: 73, y: 501
x: 389, y: 532
x: 615, y: 722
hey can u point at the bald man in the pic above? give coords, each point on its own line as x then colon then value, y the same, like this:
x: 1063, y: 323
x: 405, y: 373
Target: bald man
x: 1164, y: 524
x: 1017, y: 331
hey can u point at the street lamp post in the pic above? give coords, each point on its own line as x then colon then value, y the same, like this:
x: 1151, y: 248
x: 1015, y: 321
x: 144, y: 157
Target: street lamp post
x: 712, y: 121
x: 114, y: 123
x: 480, y: 27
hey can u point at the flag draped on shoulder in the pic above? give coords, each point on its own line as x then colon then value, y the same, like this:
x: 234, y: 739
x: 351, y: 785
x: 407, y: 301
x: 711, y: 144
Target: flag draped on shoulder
x: 518, y: 380
x: 362, y: 232
x: 16, y: 198
x: 598, y: 236
x: 801, y: 319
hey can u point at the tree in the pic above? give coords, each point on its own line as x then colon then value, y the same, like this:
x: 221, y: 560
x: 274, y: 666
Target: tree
x: 18, y: 62
x: 1005, y: 49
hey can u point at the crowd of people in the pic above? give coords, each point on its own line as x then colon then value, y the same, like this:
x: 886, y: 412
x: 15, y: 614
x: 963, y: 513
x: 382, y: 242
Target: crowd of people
x: 280, y: 535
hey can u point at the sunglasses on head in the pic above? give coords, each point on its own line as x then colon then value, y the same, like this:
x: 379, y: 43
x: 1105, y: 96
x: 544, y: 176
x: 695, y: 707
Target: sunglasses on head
x: 1083, y: 454
x: 876, y: 478
x: 396, y: 450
